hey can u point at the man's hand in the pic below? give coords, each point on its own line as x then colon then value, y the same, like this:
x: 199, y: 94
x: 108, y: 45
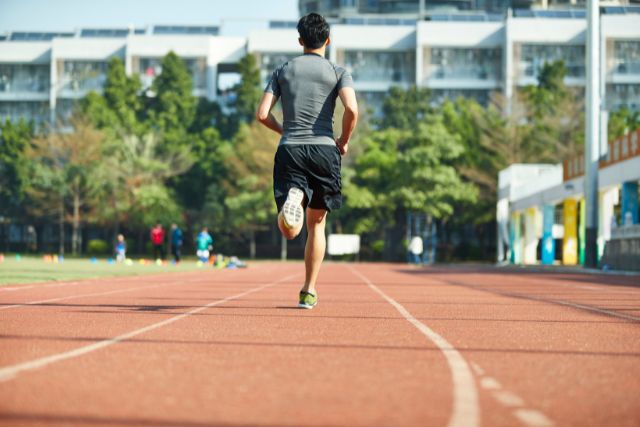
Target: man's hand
x: 343, y: 145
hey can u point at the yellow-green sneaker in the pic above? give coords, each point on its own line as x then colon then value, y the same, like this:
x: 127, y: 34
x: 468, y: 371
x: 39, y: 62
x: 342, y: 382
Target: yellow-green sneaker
x: 307, y: 300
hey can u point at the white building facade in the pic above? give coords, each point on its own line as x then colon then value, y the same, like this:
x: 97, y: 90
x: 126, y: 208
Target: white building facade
x: 43, y: 74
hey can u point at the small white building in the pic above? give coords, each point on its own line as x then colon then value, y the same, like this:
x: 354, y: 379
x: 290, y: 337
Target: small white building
x: 541, y: 210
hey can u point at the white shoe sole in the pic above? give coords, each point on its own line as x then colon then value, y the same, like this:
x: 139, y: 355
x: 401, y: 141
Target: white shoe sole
x: 292, y: 209
x: 308, y: 307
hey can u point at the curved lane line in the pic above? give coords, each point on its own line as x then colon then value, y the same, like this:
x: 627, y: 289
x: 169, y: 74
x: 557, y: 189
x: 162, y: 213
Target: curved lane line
x: 9, y: 372
x: 466, y: 407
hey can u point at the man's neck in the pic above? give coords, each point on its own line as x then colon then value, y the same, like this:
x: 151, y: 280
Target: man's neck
x: 319, y: 51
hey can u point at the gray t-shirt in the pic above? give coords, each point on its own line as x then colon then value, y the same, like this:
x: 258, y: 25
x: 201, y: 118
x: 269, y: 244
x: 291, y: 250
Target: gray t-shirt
x: 308, y: 86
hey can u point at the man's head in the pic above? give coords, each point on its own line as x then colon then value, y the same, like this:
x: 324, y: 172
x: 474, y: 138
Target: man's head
x: 313, y: 30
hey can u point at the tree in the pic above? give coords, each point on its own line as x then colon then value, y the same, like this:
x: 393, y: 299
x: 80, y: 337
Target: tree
x: 248, y: 91
x: 556, y: 114
x: 134, y: 175
x: 250, y: 164
x: 405, y: 108
x: 407, y: 170
x: 622, y: 121
x: 14, y: 140
x: 63, y: 165
x: 118, y: 109
x: 172, y: 108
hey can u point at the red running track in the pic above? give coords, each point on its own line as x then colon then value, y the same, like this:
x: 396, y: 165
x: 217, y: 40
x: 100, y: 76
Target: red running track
x: 388, y: 345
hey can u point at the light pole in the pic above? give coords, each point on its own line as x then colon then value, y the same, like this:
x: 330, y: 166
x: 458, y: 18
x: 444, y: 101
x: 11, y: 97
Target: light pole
x: 592, y: 123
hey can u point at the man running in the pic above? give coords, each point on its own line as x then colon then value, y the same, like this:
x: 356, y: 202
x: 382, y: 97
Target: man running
x: 306, y: 172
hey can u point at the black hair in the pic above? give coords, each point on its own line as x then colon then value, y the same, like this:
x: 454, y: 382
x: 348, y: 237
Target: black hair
x: 313, y: 30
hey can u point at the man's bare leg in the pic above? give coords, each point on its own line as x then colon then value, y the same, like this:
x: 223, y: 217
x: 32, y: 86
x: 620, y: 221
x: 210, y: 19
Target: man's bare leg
x: 315, y: 247
x: 288, y: 233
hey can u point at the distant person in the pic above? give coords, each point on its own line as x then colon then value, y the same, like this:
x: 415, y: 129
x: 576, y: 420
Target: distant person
x: 121, y: 249
x: 157, y: 240
x: 204, y: 243
x: 415, y: 249
x: 176, y: 242
x: 306, y: 173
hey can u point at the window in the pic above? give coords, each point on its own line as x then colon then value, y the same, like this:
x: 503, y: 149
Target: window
x: 380, y: 66
x: 14, y: 111
x: 447, y: 63
x: 534, y: 56
x: 83, y: 76
x: 623, y: 95
x: 482, y: 96
x: 150, y: 68
x: 24, y: 78
x: 626, y: 56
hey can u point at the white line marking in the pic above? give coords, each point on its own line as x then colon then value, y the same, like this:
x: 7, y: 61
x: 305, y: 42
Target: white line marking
x: 10, y: 372
x: 507, y: 398
x: 533, y: 418
x: 489, y: 383
x: 477, y: 368
x: 466, y: 408
x: 95, y: 294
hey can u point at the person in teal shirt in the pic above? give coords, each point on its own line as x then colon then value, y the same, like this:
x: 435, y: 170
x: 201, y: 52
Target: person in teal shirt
x: 204, y: 243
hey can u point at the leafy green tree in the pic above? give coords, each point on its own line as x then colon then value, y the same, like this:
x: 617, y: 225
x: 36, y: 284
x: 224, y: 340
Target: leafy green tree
x: 209, y: 167
x: 118, y: 109
x: 14, y: 140
x: 63, y: 166
x: 622, y: 121
x: 407, y: 170
x: 172, y: 109
x: 556, y: 114
x: 249, y: 198
x: 134, y: 176
x: 248, y: 90
x: 121, y: 93
x: 405, y: 108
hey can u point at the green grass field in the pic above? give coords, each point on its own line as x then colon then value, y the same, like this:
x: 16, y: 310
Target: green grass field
x: 32, y: 269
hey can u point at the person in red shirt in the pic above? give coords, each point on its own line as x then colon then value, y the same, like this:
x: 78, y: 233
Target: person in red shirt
x: 157, y: 239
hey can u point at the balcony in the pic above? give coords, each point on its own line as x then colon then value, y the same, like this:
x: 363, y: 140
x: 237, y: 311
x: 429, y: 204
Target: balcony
x: 623, y: 95
x: 532, y: 57
x: 29, y: 111
x: 377, y: 70
x: 270, y: 61
x: 624, y: 63
x: 77, y: 78
x: 24, y: 82
x: 149, y: 68
x: 462, y: 68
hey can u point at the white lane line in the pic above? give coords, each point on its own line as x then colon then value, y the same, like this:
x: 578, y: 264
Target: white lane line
x: 479, y: 371
x: 194, y: 280
x: 10, y: 372
x: 533, y: 418
x: 95, y: 294
x: 530, y: 417
x: 507, y: 398
x: 489, y: 383
x: 466, y: 407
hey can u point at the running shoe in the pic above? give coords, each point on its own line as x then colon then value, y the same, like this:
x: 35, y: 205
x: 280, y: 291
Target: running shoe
x: 307, y: 300
x: 292, y: 209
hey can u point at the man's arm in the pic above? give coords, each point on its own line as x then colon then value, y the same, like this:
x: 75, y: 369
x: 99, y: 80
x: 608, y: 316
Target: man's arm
x: 264, y: 115
x: 349, y: 118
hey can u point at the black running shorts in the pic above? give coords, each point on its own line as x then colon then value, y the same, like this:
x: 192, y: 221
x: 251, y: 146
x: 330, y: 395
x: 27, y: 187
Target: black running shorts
x: 313, y: 168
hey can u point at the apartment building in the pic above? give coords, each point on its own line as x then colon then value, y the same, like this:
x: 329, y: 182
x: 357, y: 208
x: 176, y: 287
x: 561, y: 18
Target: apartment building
x: 471, y: 55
